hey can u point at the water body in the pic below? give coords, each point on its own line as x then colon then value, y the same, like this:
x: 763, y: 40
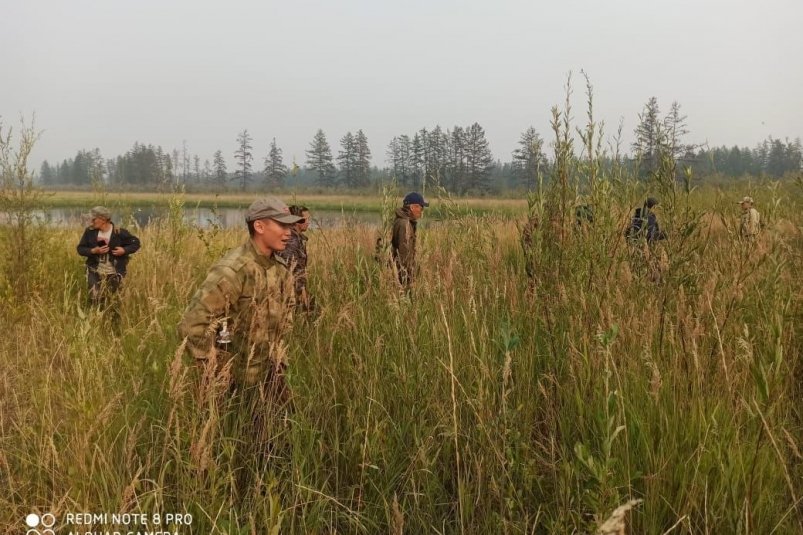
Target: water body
x: 201, y: 217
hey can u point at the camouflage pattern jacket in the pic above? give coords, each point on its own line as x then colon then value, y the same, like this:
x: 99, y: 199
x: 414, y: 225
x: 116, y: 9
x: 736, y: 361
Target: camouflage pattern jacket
x: 403, y: 245
x: 295, y: 256
x: 750, y: 223
x: 252, y: 294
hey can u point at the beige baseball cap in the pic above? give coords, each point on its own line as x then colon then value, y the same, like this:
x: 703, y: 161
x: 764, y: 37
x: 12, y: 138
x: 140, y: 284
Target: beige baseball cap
x: 746, y: 200
x: 270, y: 208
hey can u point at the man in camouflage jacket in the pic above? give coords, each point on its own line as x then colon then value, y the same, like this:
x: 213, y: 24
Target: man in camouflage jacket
x: 238, y: 318
x: 750, y: 220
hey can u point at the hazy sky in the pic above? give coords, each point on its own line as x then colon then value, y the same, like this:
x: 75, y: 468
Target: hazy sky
x: 108, y: 73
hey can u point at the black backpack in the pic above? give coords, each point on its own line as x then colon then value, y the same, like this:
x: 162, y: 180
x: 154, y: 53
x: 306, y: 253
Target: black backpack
x: 636, y: 227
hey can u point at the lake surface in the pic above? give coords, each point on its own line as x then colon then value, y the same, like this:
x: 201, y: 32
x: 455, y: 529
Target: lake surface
x: 201, y: 217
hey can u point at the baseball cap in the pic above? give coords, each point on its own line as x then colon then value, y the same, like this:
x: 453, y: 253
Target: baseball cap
x: 745, y: 199
x: 414, y: 198
x: 270, y: 208
x: 100, y: 211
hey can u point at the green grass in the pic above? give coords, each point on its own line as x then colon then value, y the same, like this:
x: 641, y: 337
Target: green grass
x: 471, y: 406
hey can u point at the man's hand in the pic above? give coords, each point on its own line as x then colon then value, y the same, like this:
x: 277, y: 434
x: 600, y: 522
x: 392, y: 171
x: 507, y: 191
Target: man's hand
x: 117, y: 251
x: 100, y: 250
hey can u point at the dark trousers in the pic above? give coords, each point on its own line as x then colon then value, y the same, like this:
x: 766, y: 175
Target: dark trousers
x: 102, y: 287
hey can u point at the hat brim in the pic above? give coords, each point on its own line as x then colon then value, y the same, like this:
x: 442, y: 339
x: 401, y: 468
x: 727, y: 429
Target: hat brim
x: 287, y: 218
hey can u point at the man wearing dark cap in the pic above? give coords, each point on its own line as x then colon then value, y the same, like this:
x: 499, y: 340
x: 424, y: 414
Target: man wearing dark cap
x: 404, y: 236
x: 237, y: 320
x: 107, y: 249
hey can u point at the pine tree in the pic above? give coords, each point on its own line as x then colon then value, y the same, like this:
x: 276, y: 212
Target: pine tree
x: 275, y: 170
x: 398, y: 154
x: 196, y: 166
x: 175, y: 164
x: 649, y: 137
x: 243, y: 156
x: 185, y: 162
x: 220, y: 174
x: 675, y: 128
x: 457, y: 161
x: 319, y: 159
x: 363, y: 162
x: 529, y: 159
x: 47, y: 175
x: 207, y: 172
x: 347, y: 160
x: 438, y: 145
x: 479, y: 161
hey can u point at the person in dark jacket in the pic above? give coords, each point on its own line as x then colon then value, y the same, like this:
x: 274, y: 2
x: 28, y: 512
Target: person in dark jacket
x: 643, y: 234
x: 404, y: 236
x: 645, y: 223
x: 107, y: 249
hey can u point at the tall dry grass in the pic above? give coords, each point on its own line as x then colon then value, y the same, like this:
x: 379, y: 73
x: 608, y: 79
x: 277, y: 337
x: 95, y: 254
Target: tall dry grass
x: 471, y: 405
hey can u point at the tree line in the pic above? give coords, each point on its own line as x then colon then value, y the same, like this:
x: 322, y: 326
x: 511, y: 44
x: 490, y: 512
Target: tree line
x: 457, y: 158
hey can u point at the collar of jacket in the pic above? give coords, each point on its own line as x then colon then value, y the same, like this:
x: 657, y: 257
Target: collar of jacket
x: 262, y: 260
x: 298, y: 234
x: 403, y: 212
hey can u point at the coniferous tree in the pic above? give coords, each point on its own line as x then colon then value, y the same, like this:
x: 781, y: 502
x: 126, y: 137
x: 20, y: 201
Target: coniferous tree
x: 675, y: 128
x: 319, y: 159
x: 196, y: 167
x: 438, y: 145
x: 529, y: 159
x: 457, y: 160
x: 398, y: 154
x: 275, y: 170
x: 206, y: 174
x: 220, y: 175
x: 347, y: 160
x: 418, y: 157
x: 363, y: 160
x: 243, y: 156
x: 649, y: 137
x: 479, y: 161
x: 47, y: 175
x: 175, y: 164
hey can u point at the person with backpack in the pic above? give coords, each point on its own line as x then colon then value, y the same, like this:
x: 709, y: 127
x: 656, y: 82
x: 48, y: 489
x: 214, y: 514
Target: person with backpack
x: 643, y: 234
x: 645, y: 224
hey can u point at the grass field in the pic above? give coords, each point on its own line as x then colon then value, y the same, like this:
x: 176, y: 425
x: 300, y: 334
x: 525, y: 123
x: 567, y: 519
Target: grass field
x: 473, y: 405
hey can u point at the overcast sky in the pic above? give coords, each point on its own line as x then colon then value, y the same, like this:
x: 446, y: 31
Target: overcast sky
x: 108, y: 73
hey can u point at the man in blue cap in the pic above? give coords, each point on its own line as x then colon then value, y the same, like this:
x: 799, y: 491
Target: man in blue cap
x: 403, y: 237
